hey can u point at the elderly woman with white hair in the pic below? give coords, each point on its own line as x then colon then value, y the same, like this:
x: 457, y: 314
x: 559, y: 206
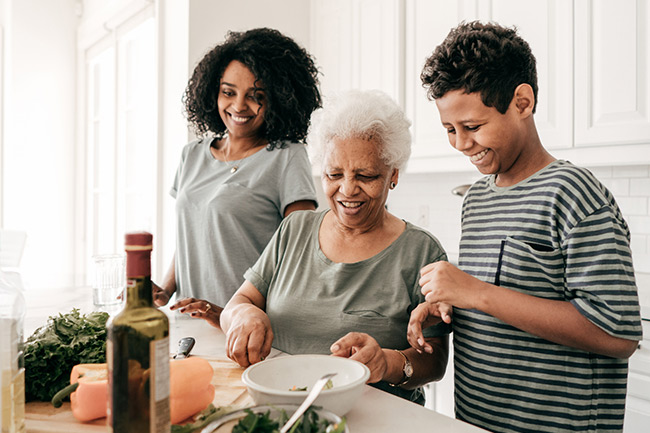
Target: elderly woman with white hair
x: 345, y: 280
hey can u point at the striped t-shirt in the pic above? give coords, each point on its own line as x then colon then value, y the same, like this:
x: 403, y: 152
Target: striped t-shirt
x: 557, y: 235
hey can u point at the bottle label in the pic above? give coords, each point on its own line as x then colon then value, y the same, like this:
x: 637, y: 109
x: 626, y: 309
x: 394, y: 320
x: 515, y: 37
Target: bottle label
x: 12, y: 378
x: 159, y: 404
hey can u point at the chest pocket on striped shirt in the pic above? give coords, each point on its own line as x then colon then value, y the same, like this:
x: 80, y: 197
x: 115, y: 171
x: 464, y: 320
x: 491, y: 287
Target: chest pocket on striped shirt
x: 534, y: 269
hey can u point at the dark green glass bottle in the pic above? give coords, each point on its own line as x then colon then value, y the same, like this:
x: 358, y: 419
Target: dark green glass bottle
x: 137, y: 350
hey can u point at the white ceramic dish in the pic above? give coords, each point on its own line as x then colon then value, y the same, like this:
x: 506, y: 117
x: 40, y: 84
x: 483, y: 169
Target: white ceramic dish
x: 226, y: 423
x: 270, y: 381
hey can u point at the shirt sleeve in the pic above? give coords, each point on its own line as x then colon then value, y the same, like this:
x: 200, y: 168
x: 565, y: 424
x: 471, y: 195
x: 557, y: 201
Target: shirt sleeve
x: 599, y: 275
x: 262, y: 272
x: 176, y: 185
x: 297, y: 183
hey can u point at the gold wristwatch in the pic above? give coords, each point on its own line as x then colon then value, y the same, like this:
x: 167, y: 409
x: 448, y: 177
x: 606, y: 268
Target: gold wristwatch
x: 407, y: 370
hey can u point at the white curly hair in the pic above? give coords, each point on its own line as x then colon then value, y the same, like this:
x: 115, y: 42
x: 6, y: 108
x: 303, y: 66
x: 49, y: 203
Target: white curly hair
x: 362, y: 114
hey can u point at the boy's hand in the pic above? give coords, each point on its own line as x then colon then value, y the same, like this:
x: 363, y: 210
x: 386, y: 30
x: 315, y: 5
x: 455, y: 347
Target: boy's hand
x: 424, y: 316
x: 444, y: 283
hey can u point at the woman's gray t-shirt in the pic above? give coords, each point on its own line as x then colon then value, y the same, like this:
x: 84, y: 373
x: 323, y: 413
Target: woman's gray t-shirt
x: 224, y: 219
x: 312, y: 301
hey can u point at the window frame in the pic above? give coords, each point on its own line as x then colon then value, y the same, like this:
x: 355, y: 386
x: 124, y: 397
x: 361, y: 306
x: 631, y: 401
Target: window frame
x: 96, y: 34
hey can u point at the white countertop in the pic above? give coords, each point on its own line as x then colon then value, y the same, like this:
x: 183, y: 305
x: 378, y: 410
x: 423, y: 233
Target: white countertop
x: 376, y: 411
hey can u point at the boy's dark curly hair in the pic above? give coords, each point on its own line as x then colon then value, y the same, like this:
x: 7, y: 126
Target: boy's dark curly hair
x: 485, y: 58
x: 288, y: 72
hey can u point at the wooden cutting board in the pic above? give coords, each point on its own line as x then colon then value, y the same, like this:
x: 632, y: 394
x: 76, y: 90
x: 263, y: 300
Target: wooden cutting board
x: 42, y: 417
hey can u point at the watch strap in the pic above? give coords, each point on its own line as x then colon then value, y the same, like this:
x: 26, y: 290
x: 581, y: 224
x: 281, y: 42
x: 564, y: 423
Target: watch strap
x: 407, y: 370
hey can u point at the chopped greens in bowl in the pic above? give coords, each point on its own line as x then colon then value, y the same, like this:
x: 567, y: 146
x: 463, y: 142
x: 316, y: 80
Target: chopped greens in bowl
x: 269, y: 419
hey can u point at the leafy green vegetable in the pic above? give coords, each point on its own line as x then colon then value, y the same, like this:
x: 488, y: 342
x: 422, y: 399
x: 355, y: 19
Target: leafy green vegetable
x: 53, y: 349
x: 328, y: 385
x: 309, y: 422
x: 202, y: 419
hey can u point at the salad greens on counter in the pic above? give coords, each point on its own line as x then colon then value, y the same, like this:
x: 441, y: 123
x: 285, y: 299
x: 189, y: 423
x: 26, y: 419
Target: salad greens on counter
x: 54, y: 348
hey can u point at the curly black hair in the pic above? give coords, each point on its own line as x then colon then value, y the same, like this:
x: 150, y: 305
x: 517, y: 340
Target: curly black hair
x: 288, y: 72
x: 485, y: 58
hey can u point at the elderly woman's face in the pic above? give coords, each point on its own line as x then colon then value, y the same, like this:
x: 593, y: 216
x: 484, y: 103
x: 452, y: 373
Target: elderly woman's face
x: 242, y: 114
x: 356, y: 181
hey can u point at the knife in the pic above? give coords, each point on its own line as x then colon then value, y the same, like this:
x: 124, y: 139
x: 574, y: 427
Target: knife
x: 185, y: 345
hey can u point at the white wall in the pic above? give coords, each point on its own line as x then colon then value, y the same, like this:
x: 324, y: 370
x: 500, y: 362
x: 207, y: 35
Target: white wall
x: 210, y: 20
x: 38, y: 134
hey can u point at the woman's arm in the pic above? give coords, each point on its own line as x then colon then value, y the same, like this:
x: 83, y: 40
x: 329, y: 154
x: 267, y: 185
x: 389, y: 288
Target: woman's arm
x: 162, y: 293
x: 299, y: 205
x: 246, y: 325
x: 387, y: 364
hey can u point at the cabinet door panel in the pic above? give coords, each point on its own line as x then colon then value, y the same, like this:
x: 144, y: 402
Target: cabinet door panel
x: 612, y: 75
x: 380, y: 46
x: 331, y: 43
x: 427, y: 25
x: 358, y: 44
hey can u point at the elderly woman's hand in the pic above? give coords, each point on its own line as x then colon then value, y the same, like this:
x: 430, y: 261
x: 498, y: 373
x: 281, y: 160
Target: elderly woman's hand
x: 424, y: 316
x: 365, y: 349
x: 249, y: 337
x: 200, y: 309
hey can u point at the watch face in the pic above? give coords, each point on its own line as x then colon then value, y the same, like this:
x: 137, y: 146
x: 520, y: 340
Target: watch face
x: 408, y: 369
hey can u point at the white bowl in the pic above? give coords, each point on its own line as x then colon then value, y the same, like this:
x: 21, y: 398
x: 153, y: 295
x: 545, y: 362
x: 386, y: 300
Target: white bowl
x: 227, y: 422
x: 270, y: 381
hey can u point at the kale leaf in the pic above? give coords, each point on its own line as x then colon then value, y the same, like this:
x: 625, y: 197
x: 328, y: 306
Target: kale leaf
x: 53, y: 349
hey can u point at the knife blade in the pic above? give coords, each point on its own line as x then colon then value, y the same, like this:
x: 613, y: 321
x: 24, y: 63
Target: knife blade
x: 185, y: 346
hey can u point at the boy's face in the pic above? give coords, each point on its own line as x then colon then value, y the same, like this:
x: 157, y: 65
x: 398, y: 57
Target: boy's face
x: 491, y: 140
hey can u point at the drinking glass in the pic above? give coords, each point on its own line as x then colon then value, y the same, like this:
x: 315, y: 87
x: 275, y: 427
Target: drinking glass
x: 109, y: 279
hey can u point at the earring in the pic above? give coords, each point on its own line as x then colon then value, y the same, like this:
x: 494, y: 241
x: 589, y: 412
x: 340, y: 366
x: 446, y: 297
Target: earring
x: 393, y: 185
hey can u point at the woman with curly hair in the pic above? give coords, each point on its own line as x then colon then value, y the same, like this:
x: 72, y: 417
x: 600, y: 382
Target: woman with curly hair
x: 250, y: 99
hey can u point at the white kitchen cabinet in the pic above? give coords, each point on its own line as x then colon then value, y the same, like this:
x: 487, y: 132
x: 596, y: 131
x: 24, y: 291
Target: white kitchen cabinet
x: 593, y: 64
x: 547, y: 26
x: 637, y: 407
x: 358, y: 44
x: 612, y: 69
x: 427, y: 24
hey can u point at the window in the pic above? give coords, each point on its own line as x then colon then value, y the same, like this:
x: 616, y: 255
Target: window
x: 120, y: 135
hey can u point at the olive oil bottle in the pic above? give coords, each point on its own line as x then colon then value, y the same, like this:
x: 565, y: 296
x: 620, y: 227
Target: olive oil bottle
x: 137, y: 350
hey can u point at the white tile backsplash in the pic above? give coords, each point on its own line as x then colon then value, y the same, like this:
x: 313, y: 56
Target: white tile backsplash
x: 639, y: 225
x: 620, y: 187
x: 640, y: 187
x: 426, y: 200
x: 631, y: 171
x: 633, y: 206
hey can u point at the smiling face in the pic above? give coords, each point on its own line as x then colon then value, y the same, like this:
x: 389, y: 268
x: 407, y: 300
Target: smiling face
x: 494, y: 142
x: 356, y: 182
x: 239, y: 109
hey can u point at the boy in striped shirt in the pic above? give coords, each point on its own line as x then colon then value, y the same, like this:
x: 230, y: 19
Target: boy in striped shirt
x: 545, y: 305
